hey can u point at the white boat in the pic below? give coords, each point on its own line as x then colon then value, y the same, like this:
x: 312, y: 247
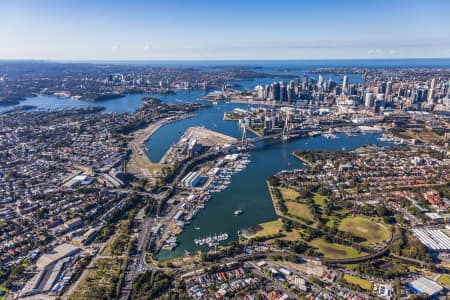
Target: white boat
x: 238, y: 212
x: 211, y: 240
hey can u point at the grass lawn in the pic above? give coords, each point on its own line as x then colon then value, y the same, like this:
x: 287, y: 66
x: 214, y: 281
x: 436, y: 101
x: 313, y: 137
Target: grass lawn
x: 288, y: 194
x: 4, y: 290
x: 319, y: 199
x: 425, y: 136
x: 444, y: 279
x: 269, y: 228
x: 351, y: 267
x: 119, y: 233
x: 299, y: 210
x: 364, y: 227
x: 143, y: 162
x: 293, y: 235
x: 338, y: 251
x: 330, y: 222
x: 365, y: 284
x: 274, y: 227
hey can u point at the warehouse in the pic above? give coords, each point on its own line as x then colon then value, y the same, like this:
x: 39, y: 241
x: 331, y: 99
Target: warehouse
x: 433, y: 239
x: 193, y: 179
x: 426, y: 286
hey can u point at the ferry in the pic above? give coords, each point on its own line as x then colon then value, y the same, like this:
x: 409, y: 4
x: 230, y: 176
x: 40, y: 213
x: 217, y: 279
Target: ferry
x: 238, y: 212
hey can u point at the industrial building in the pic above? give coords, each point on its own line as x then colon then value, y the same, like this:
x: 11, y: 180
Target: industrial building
x: 50, y: 266
x: 193, y: 179
x: 426, y: 286
x: 433, y: 239
x: 87, y: 237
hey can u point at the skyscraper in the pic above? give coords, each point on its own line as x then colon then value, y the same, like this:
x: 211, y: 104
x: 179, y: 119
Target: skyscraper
x: 283, y: 91
x: 345, y: 84
x: 259, y: 92
x: 320, y: 81
x: 387, y: 94
x: 433, y: 83
x: 368, y: 100
x: 275, y: 91
x: 431, y: 93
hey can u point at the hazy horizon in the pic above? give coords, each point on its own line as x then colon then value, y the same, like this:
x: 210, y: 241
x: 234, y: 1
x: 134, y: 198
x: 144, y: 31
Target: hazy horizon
x: 223, y: 30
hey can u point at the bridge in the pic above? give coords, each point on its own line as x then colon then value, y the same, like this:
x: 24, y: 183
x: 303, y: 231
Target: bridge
x: 284, y: 135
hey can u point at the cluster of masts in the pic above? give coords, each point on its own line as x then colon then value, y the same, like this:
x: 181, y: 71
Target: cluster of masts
x: 211, y: 240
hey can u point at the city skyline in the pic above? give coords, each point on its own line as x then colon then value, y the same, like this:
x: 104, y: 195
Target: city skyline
x: 200, y: 30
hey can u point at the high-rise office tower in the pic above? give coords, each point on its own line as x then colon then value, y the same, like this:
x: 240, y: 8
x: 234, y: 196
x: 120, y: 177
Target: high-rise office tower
x: 305, y: 83
x: 267, y: 92
x: 259, y: 92
x: 275, y: 91
x: 387, y: 94
x: 283, y: 91
x: 320, y: 81
x: 345, y: 84
x: 296, y: 87
x: 431, y: 93
x: 368, y: 100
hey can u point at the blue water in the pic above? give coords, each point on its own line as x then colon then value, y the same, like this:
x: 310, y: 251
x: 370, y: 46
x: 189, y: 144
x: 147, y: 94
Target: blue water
x: 247, y: 190
x: 305, y: 64
x: 211, y: 118
x: 126, y: 104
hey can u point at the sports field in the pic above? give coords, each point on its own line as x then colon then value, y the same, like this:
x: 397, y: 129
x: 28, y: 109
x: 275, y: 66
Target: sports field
x: 364, y: 227
x: 288, y: 194
x: 299, y: 210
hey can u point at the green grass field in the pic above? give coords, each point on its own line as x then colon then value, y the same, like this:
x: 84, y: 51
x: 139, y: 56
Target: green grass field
x: 444, y: 279
x: 319, y: 199
x: 274, y: 227
x: 424, y: 136
x: 299, y: 210
x: 4, y: 290
x: 269, y: 228
x: 337, y: 251
x: 364, y: 227
x: 288, y: 194
x: 365, y: 284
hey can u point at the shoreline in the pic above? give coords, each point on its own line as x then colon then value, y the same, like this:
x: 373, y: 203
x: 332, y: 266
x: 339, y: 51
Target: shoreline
x: 274, y: 201
x: 302, y: 159
x: 139, y: 162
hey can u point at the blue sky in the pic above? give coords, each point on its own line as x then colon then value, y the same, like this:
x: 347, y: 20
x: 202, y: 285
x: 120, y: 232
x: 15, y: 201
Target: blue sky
x: 215, y: 29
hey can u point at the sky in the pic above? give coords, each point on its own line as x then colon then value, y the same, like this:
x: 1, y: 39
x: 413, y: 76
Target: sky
x: 223, y: 30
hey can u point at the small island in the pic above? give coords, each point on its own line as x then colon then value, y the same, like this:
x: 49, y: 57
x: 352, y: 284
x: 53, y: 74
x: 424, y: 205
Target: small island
x: 150, y: 100
x: 10, y: 100
x: 103, y: 97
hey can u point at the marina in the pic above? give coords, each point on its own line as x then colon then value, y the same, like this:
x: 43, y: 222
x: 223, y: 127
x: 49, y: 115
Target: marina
x: 241, y: 185
x: 212, y: 240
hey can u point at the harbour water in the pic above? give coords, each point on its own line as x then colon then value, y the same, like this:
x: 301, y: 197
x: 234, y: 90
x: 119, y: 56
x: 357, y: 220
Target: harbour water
x: 247, y: 190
